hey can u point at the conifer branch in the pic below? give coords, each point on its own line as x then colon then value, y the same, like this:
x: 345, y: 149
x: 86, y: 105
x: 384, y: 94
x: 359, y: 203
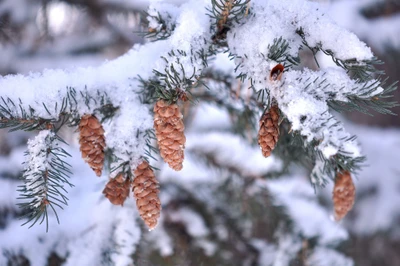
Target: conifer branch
x: 157, y: 27
x: 278, y: 51
x: 293, y: 147
x: 180, y: 72
x: 359, y: 70
x: 365, y: 101
x: 225, y: 13
x: 45, y: 176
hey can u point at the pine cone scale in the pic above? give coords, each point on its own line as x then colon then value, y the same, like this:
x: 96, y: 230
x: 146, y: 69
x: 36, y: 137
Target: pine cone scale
x: 145, y: 190
x: 169, y: 129
x: 117, y: 189
x: 92, y: 142
x: 343, y: 194
x: 268, y: 133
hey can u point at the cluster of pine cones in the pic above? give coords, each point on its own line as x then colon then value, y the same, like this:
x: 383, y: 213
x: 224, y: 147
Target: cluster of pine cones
x: 169, y: 129
x: 268, y: 134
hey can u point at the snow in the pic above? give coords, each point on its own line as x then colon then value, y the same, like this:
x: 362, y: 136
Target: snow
x: 287, y: 250
x: 274, y: 19
x: 195, y: 227
x: 231, y: 150
x: 301, y: 95
x: 9, y: 194
x: 297, y: 196
x: 328, y: 257
x: 37, y: 163
x: 126, y: 235
x: 160, y: 239
x: 228, y: 149
x: 310, y: 116
x: 50, y: 85
x: 91, y: 226
x: 133, y: 117
x: 193, y: 222
x: 223, y: 63
x: 118, y: 79
x: 376, y: 205
x: 165, y: 10
x: 86, y: 222
x: 267, y: 251
x: 202, y: 123
x: 379, y: 32
x: 114, y: 76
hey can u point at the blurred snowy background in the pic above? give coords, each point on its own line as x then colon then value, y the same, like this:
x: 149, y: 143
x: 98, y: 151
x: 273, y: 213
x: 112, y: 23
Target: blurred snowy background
x: 226, y: 209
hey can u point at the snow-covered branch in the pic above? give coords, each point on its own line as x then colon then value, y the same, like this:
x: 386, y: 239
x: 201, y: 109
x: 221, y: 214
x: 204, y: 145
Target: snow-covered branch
x: 264, y: 40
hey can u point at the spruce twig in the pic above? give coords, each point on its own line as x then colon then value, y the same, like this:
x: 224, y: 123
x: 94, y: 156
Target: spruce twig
x: 45, y: 177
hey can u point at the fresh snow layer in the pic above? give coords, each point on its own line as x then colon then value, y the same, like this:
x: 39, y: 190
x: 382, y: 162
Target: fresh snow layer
x: 301, y: 95
x: 306, y: 109
x: 116, y: 79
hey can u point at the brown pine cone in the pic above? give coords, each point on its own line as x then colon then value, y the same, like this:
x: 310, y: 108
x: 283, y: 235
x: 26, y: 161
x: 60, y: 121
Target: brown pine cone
x: 92, y: 142
x: 117, y: 189
x: 169, y: 128
x: 145, y: 190
x: 343, y: 194
x: 268, y: 133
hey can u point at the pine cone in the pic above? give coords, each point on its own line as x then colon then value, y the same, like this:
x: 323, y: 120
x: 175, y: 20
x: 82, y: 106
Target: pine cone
x: 92, y: 142
x: 117, y: 189
x: 343, y: 194
x: 145, y: 189
x: 269, y: 130
x: 169, y: 128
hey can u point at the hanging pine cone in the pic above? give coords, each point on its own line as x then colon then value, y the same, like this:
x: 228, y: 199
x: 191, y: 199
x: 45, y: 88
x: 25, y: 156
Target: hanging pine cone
x: 343, y: 194
x: 92, y: 142
x: 145, y: 190
x: 268, y: 133
x: 117, y: 189
x: 169, y: 128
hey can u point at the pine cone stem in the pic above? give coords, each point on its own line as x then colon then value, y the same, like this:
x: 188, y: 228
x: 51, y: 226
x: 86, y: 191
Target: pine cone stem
x: 268, y: 133
x: 145, y: 190
x: 343, y: 194
x: 92, y: 142
x: 169, y: 129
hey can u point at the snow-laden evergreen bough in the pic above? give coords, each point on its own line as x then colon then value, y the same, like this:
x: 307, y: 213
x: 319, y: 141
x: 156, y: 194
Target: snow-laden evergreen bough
x: 263, y: 39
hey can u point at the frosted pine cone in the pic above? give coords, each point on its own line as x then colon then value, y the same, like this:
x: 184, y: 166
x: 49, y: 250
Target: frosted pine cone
x: 268, y: 133
x: 145, y: 189
x: 92, y: 142
x: 169, y: 128
x: 117, y: 189
x: 343, y: 194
